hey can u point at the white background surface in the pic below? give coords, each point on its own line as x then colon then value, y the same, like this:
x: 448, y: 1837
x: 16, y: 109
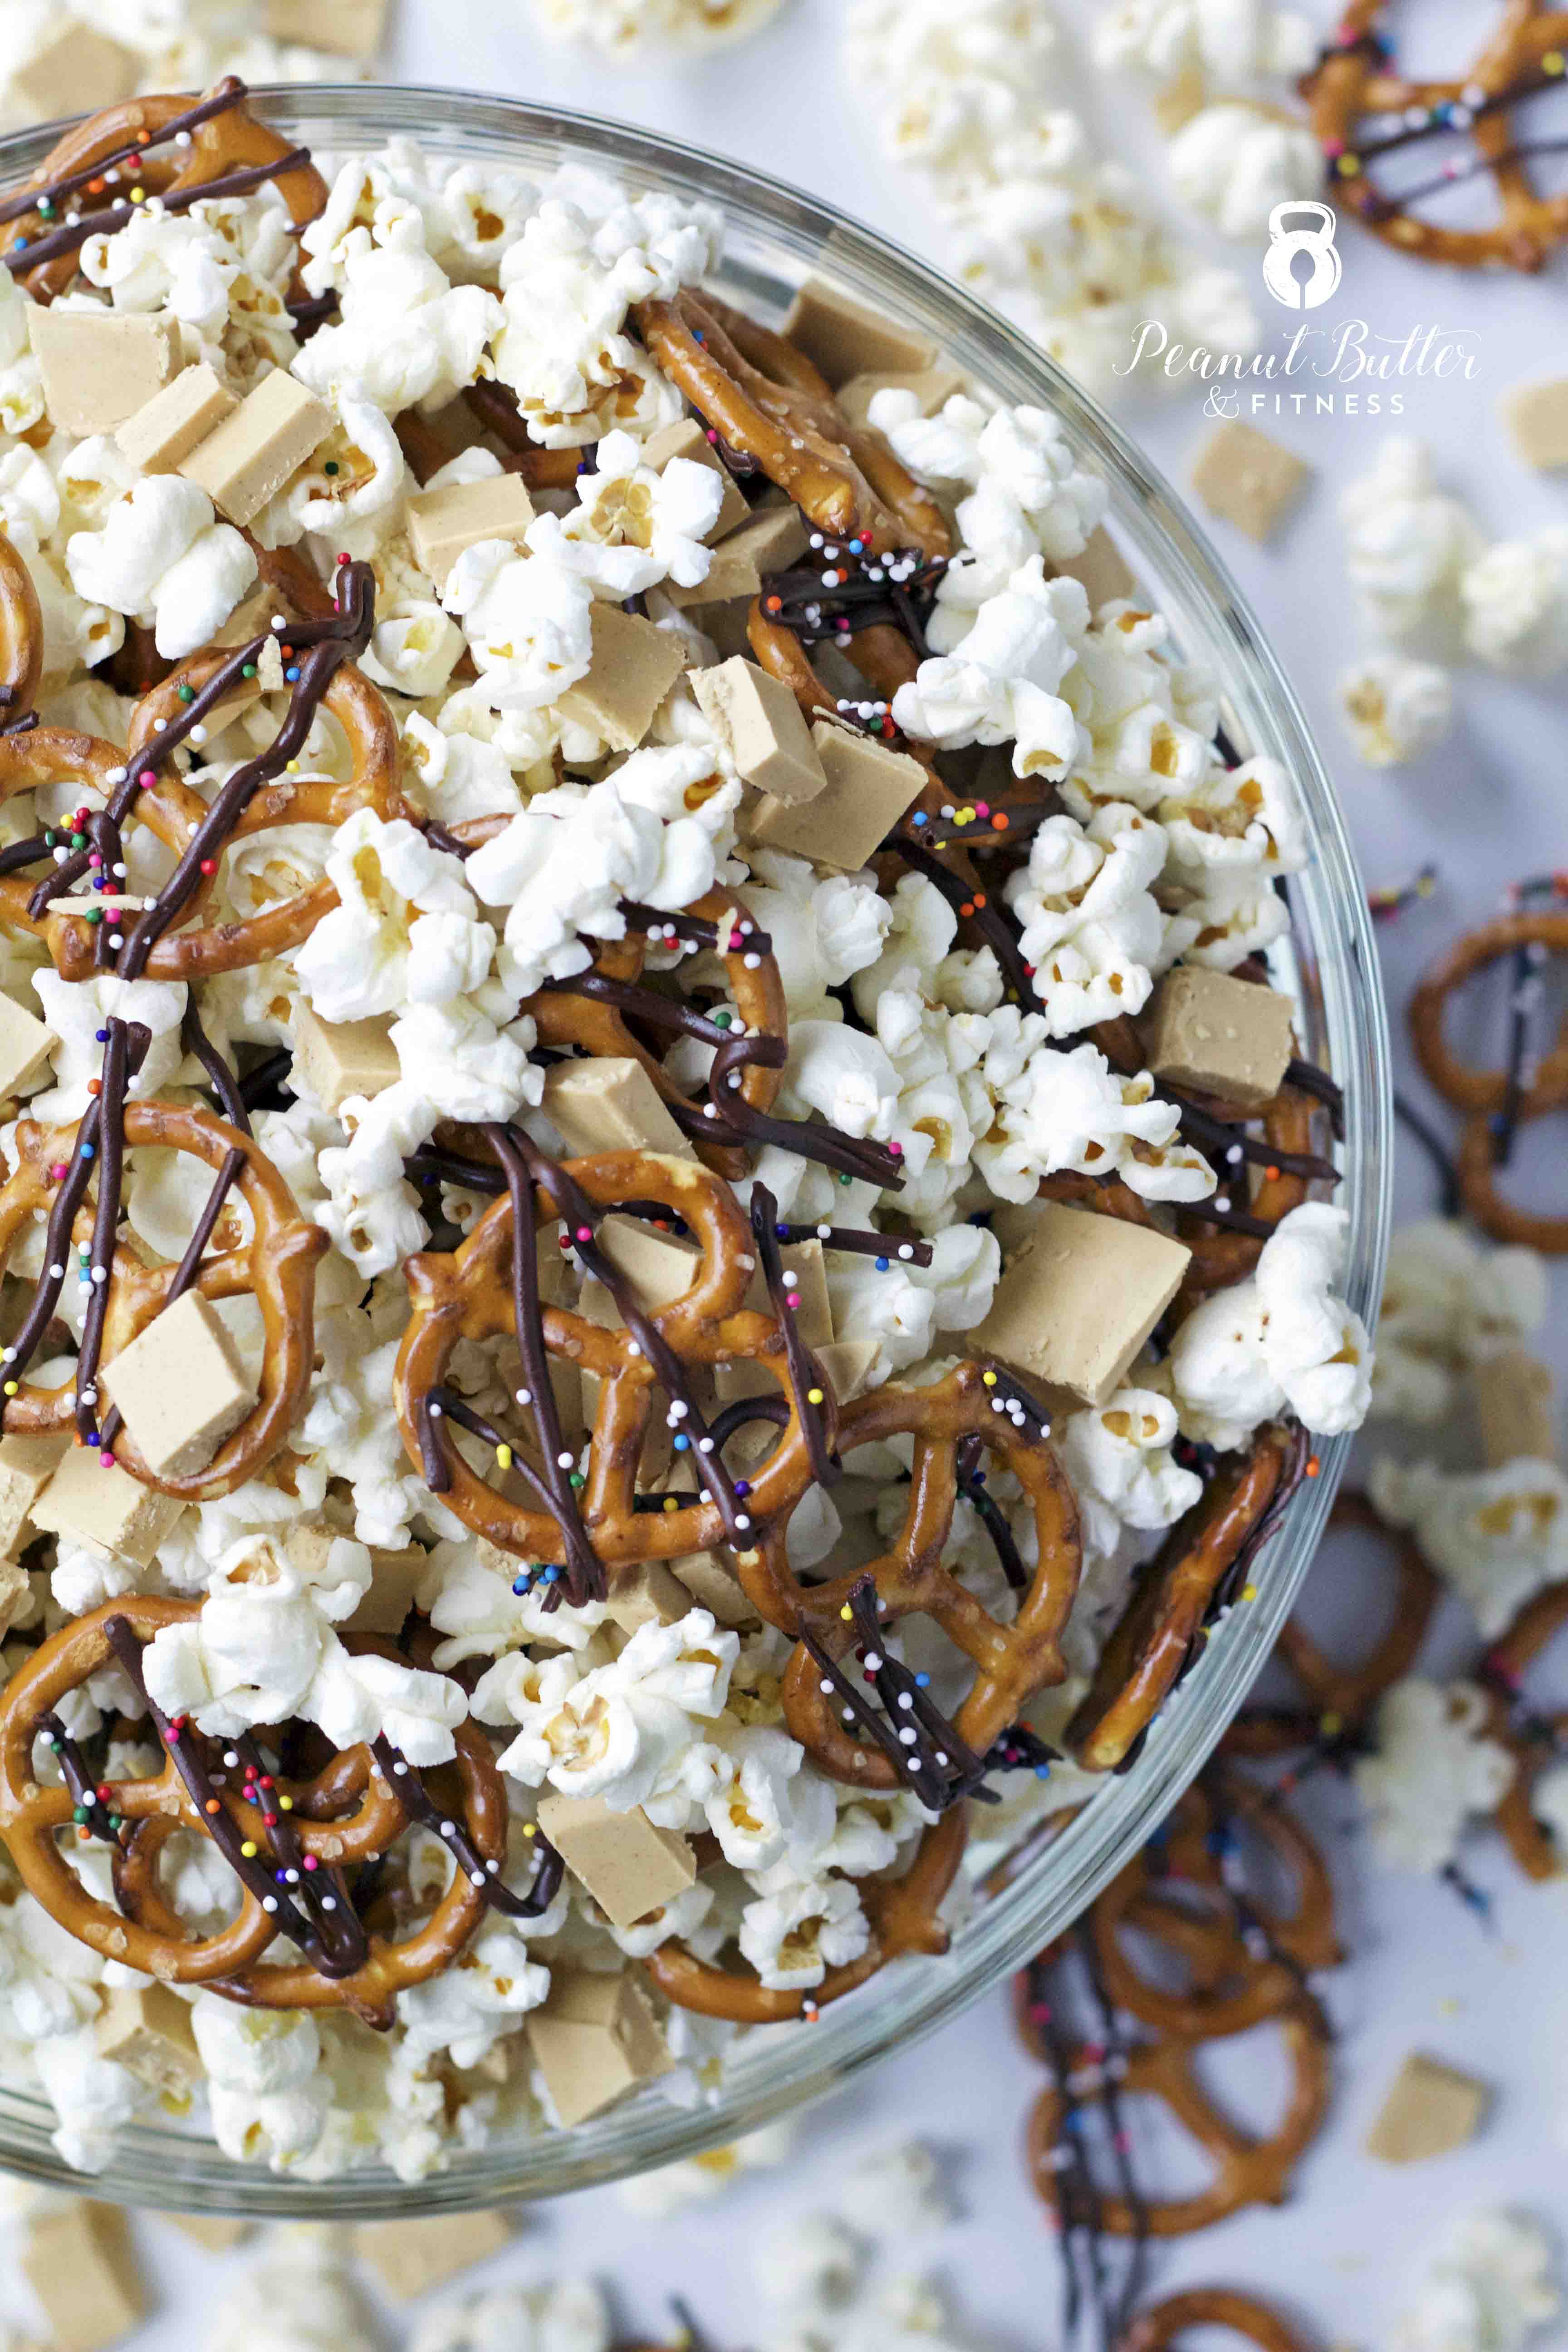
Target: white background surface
x: 1424, y: 1972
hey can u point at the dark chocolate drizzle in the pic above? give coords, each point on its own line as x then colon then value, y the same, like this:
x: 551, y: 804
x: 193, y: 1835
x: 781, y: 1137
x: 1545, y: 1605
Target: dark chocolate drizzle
x: 94, y: 1813
x: 223, y: 1081
x: 859, y: 1245
x: 804, y: 1373
x: 992, y: 1518
x: 106, y: 1223
x: 977, y: 907
x: 800, y: 600
x: 408, y: 1787
x: 913, y: 1733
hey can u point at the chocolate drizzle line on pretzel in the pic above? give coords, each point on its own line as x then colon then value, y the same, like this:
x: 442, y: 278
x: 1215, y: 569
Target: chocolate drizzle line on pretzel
x: 409, y: 1789
x: 974, y: 906
x: 105, y: 1228
x: 883, y: 1247
x: 908, y: 1727
x: 804, y: 1373
x: 189, y: 1268
x: 94, y: 1817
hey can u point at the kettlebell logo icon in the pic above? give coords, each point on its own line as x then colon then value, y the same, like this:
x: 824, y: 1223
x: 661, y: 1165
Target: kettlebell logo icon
x: 1285, y: 283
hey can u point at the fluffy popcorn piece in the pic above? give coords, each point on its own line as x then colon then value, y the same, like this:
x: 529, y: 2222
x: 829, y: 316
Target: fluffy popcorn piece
x: 101, y: 366
x: 631, y: 668
x: 635, y: 526
x: 181, y: 1386
x: 561, y: 2315
x: 595, y: 2040
x: 812, y: 2264
x: 689, y: 442
x: 797, y: 1929
x: 107, y: 1512
x: 25, y: 1046
x: 410, y: 2257
x: 1209, y: 1034
x: 146, y: 2028
x: 627, y: 1865
x: 1246, y: 478
x: 406, y: 336
x: 843, y: 339
x: 1447, y: 1303
x: 897, y: 2192
x: 1077, y: 1303
x: 740, y: 563
x: 1283, y: 1338
x: 350, y: 29
x: 1536, y: 415
x: 610, y: 1104
x: 391, y: 1579
x: 1516, y: 605
x: 294, y: 2298
x: 998, y: 682
x: 173, y: 422
x: 161, y: 555
x: 1406, y: 545
x: 1236, y: 164
x: 1513, y: 1397
x: 442, y: 523
x: 930, y: 389
x: 254, y: 453
x: 81, y: 2265
x: 867, y: 789
x: 1432, y: 1769
x: 1396, y: 710
x: 1090, y: 923
x: 1071, y: 1110
x: 1497, y: 1536
x: 758, y: 721
x: 338, y: 1059
x: 528, y: 621
x: 1429, y: 2109
x: 26, y: 1465
x: 1117, y: 1458
x: 1492, y: 2287
x: 404, y: 932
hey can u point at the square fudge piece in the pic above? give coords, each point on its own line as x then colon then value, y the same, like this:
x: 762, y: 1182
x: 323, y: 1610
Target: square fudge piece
x: 217, y: 2231
x: 1515, y: 1409
x: 410, y: 2257
x: 1536, y: 415
x: 1209, y: 1034
x: 147, y: 2030
x: 99, y: 366
x: 932, y: 387
x: 177, y: 420
x: 26, y: 1465
x: 441, y: 523
x: 869, y: 788
x: 25, y: 1046
x: 82, y: 2267
x: 843, y: 339
x: 180, y: 1387
x: 1101, y: 571
x: 627, y: 1865
x: 1077, y: 1303
x: 344, y: 28
x: 847, y: 1363
x: 715, y: 1587
x: 646, y: 1595
x: 610, y: 1104
x: 631, y: 669
x: 1245, y: 478
x: 106, y: 1510
x: 1430, y: 2108
x: 660, y: 1267
x: 759, y: 722
x: 262, y: 447
x: 595, y: 2039
x: 688, y: 440
x: 73, y: 71
x: 771, y: 542
x: 337, y: 1059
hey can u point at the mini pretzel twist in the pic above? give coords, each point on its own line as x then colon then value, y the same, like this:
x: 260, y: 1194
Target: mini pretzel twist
x: 1534, y: 1740
x: 1220, y: 1257
x: 904, y: 1916
x: 21, y: 636
x: 276, y: 1267
x: 346, y: 1816
x: 768, y: 402
x: 1158, y: 2327
x: 1013, y: 1661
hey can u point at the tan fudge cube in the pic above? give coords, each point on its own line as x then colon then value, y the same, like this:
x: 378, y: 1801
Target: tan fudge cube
x: 1077, y: 1303
x: 688, y: 439
x: 1536, y: 415
x: 25, y: 1046
x: 74, y: 70
x: 1430, y: 2108
x: 1209, y: 1034
x: 647, y: 1594
x: 758, y: 720
x: 773, y: 541
x: 631, y: 667
x: 868, y: 789
x: 802, y: 1266
x: 1101, y: 571
x: 660, y: 1267
x: 344, y: 28
x: 106, y: 1510
x: 16, y: 1594
x: 847, y: 1363
x: 610, y: 1104
x: 410, y: 2257
x: 80, y: 2264
x: 1245, y: 478
x: 340, y: 1058
x: 179, y: 1386
x: 217, y: 2231
x: 714, y: 1587
x: 594, y: 2039
x: 101, y: 366
x: 1515, y: 1409
x: 177, y: 420
x: 258, y: 449
x: 147, y: 2030
x: 843, y: 339
x: 627, y: 1865
x: 395, y: 1576
x: 442, y: 523
x: 26, y: 1465
x: 932, y: 387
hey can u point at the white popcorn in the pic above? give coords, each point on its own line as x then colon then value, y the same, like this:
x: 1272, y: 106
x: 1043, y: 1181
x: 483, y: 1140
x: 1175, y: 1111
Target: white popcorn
x: 1432, y: 1771
x: 1494, y: 2284
x: 1057, y: 1111
x: 797, y: 1929
x: 1407, y: 545
x: 560, y: 2315
x: 1089, y: 922
x: 897, y: 2192
x: 267, y: 2094
x: 999, y: 682
x: 1516, y: 605
x: 1396, y: 710
x: 1236, y: 165
x: 526, y: 619
x: 904, y: 1309
x: 1448, y: 1302
x: 458, y: 776
x: 632, y: 527
x: 21, y: 384
x: 89, y: 2093
x: 296, y: 2296
x: 223, y: 271
x: 811, y: 2263
x: 405, y: 929
x: 1497, y: 1537
x: 841, y: 1074
x: 407, y: 337
x: 824, y: 931
x: 768, y: 1807
x: 1231, y: 42
x: 1117, y: 1458
x: 624, y: 29
x: 1028, y: 494
x: 465, y: 2011
x: 1281, y: 1339
x: 76, y: 1010
x: 160, y: 557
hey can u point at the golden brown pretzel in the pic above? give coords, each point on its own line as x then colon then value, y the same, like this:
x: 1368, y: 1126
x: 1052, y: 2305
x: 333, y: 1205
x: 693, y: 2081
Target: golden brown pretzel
x: 468, y: 1295
x: 903, y: 1917
x: 1354, y: 82
x: 1157, y: 2328
x: 1221, y: 1258
x: 345, y: 1816
x: 1536, y: 1742
x: 43, y: 756
x: 276, y: 1266
x: 1476, y: 1164
x: 21, y: 636
x: 767, y: 401
x: 1151, y: 1645
x: 565, y: 1017
x: 1012, y: 1660
x: 1469, y: 1090
x: 1247, y: 2170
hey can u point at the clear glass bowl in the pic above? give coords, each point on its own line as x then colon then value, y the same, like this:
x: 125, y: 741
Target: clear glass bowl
x: 776, y: 237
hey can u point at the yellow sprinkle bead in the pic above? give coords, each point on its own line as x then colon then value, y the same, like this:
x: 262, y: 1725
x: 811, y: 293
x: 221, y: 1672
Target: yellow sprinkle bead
x: 249, y: 1849
x: 1249, y: 1592
x: 1554, y: 62
x: 1349, y: 167
x: 1329, y: 1725
x: 671, y: 1502
x: 503, y: 1455
x: 847, y: 1614
x: 294, y: 768
x: 989, y: 1379
x: 285, y: 1804
x: 530, y: 1828
x: 747, y: 1558
x: 813, y: 1396
x: 11, y: 1388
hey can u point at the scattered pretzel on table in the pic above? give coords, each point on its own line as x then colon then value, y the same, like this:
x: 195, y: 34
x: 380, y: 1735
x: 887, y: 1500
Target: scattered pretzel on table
x: 1355, y: 82
x: 1535, y: 1740
x: 1161, y: 2324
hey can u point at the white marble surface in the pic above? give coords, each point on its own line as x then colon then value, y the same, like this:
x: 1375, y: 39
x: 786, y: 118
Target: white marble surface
x: 1423, y: 1971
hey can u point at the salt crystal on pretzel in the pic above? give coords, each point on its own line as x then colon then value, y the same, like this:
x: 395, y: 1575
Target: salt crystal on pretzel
x: 101, y: 366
